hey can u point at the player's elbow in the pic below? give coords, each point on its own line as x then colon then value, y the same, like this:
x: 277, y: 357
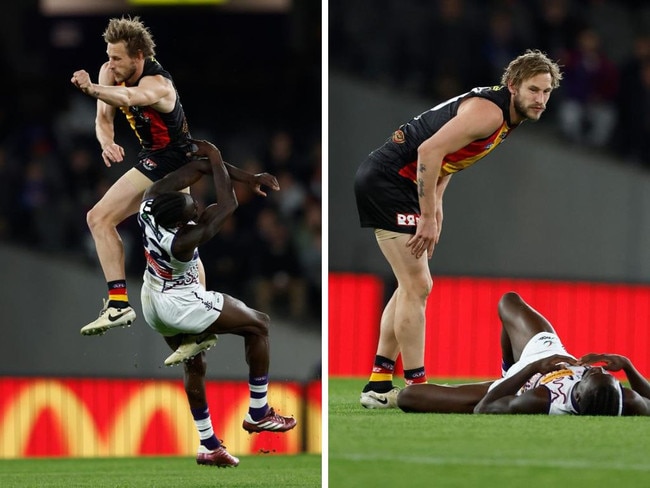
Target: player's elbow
x: 479, y: 409
x: 483, y: 407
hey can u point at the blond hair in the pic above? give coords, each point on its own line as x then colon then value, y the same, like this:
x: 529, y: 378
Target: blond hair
x: 133, y: 33
x: 533, y: 62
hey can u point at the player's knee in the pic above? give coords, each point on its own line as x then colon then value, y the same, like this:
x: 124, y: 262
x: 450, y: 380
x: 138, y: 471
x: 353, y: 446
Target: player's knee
x: 427, y: 285
x: 95, y: 219
x: 91, y: 218
x: 263, y: 322
x: 508, y: 300
x: 420, y: 286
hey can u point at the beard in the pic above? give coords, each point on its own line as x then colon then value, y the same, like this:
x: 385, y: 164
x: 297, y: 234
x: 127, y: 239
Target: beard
x: 128, y: 73
x: 524, y: 111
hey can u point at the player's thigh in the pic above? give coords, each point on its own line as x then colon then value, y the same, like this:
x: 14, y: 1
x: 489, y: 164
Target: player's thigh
x: 409, y: 270
x: 521, y: 322
x: 238, y: 318
x: 123, y: 198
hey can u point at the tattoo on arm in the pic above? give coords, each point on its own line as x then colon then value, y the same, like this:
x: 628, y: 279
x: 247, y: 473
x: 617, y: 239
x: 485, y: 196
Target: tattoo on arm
x: 420, y: 187
x: 422, y: 168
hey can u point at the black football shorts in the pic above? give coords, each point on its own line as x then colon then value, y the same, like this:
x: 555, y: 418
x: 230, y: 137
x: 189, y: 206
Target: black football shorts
x: 385, y: 200
x: 155, y: 165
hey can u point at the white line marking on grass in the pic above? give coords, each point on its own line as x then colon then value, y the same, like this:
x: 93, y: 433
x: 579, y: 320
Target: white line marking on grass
x: 540, y: 463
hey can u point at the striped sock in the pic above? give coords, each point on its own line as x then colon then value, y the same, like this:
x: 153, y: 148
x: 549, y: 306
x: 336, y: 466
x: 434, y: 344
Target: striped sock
x: 381, y: 378
x: 204, y: 427
x: 258, y: 404
x: 117, y: 294
x: 415, y: 376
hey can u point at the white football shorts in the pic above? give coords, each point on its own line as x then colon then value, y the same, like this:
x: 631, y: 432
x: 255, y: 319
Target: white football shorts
x: 541, y: 345
x: 183, y: 311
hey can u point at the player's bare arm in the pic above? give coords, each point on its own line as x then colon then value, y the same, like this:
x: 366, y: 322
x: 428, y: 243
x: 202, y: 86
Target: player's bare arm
x: 104, y: 128
x: 190, y: 173
x: 213, y: 217
x: 182, y: 178
x: 476, y: 119
x: 155, y: 91
x: 502, y: 398
x: 255, y: 181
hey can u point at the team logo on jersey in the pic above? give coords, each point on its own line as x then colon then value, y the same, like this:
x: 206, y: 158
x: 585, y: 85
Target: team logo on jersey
x: 398, y: 137
x: 556, y: 375
x: 149, y: 164
x: 407, y: 220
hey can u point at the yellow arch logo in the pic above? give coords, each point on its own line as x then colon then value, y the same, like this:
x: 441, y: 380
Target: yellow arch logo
x: 82, y: 437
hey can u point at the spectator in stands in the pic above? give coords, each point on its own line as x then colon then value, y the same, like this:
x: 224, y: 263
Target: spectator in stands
x: 587, y: 108
x: 633, y: 131
x: 277, y: 275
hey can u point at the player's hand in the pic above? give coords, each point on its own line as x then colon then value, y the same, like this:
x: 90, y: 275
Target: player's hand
x: 202, y: 148
x: 553, y: 363
x: 263, y: 179
x: 112, y: 153
x: 425, y: 238
x: 81, y: 79
x: 611, y: 362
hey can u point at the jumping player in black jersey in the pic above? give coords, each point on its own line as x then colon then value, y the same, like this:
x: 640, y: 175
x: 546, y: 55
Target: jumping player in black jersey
x: 133, y: 81
x: 399, y: 190
x: 539, y: 377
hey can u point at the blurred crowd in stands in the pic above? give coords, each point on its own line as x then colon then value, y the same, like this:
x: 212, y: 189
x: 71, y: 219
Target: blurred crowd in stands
x: 264, y: 115
x: 439, y: 49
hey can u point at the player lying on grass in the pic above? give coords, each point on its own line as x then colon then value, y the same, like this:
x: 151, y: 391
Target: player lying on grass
x: 539, y: 377
x: 177, y: 305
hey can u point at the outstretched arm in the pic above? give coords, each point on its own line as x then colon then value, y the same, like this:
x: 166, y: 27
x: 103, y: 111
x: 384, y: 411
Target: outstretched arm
x: 255, y: 181
x: 181, y: 178
x: 503, y: 397
x: 214, y: 215
x: 150, y: 90
x: 633, y: 404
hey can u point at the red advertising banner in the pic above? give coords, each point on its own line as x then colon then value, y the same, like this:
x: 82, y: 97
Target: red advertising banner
x: 463, y: 326
x: 102, y: 417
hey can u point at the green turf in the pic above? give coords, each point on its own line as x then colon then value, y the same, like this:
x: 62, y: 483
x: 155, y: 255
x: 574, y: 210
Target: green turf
x: 161, y: 472
x: 389, y: 448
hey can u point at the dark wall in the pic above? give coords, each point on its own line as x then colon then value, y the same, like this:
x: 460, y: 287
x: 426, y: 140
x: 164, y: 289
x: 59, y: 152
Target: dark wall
x: 45, y: 301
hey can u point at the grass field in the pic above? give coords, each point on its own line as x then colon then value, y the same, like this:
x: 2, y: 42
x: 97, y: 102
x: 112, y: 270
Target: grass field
x: 389, y: 448
x: 161, y: 472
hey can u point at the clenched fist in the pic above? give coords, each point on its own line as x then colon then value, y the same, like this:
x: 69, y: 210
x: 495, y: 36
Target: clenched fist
x: 81, y: 79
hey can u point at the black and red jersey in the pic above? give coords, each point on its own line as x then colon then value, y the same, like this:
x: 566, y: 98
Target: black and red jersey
x: 157, y: 130
x: 400, y: 151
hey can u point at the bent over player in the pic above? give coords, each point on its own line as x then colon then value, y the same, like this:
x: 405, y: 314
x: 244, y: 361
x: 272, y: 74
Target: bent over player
x: 177, y: 305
